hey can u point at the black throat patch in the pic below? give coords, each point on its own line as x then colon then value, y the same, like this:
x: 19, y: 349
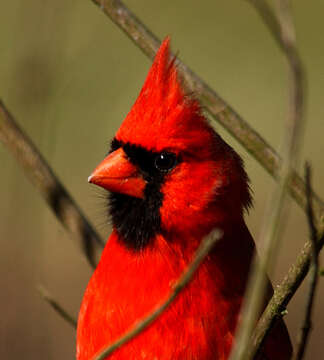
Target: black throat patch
x: 138, y: 221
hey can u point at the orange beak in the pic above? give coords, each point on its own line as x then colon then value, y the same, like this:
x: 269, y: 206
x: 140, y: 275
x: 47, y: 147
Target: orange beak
x: 117, y: 174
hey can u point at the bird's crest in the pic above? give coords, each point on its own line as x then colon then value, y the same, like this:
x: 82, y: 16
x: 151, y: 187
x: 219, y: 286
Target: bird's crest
x: 163, y: 115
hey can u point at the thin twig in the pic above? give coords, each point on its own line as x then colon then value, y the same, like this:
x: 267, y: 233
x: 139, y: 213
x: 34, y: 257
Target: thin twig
x: 269, y: 18
x: 203, y: 250
x: 313, y: 273
x: 213, y: 103
x: 310, y: 212
x: 271, y: 229
x: 56, y: 306
x: 47, y: 183
x: 283, y: 293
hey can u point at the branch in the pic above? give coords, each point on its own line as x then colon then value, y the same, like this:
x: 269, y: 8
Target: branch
x: 283, y: 31
x: 201, y: 253
x: 283, y: 293
x: 56, y: 306
x: 314, y: 270
x: 214, y: 104
x: 52, y: 190
x: 287, y: 289
x: 269, y: 18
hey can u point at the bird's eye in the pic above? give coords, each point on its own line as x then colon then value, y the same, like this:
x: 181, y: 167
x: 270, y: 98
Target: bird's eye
x: 165, y: 161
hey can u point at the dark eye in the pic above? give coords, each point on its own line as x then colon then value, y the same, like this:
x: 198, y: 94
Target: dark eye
x: 165, y: 161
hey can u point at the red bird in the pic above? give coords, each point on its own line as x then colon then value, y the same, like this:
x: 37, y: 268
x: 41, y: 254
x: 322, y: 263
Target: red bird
x: 172, y: 180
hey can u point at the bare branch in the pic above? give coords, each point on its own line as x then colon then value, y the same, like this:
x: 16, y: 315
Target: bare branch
x: 56, y: 306
x: 203, y: 250
x: 313, y: 273
x: 287, y: 289
x: 271, y: 229
x: 52, y: 190
x: 283, y: 293
x: 269, y: 18
x: 310, y: 212
x: 214, y: 104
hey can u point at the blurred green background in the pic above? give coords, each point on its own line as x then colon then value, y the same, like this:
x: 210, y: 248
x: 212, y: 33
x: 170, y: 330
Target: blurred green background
x: 69, y: 76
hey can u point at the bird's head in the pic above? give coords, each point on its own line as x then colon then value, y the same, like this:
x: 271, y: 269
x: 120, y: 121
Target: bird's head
x: 168, y: 170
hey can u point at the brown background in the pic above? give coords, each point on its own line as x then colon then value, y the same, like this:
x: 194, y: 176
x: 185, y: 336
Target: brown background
x: 70, y: 76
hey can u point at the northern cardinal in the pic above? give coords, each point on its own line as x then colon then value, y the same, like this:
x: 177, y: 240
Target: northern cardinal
x: 172, y: 180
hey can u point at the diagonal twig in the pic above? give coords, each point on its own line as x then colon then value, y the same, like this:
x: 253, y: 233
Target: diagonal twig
x: 56, y: 306
x: 47, y: 183
x: 213, y: 103
x: 283, y: 293
x: 201, y: 253
x: 314, y: 270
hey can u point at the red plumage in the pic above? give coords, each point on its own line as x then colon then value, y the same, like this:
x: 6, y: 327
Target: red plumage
x: 205, y: 189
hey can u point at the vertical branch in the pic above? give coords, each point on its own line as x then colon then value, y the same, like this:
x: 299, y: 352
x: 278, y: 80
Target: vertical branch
x: 314, y: 270
x: 253, y: 301
x: 52, y: 190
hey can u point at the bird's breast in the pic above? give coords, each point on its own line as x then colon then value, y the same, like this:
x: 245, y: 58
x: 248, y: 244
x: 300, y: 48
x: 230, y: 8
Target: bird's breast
x: 128, y: 285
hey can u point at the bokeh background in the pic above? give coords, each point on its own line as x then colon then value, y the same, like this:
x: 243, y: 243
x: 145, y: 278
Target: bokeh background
x: 69, y: 76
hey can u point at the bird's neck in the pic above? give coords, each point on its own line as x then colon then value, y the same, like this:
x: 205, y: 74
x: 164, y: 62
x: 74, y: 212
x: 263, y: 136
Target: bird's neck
x: 236, y: 241
x: 173, y: 251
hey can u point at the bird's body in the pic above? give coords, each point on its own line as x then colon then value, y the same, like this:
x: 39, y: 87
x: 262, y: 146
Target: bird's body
x: 173, y: 181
